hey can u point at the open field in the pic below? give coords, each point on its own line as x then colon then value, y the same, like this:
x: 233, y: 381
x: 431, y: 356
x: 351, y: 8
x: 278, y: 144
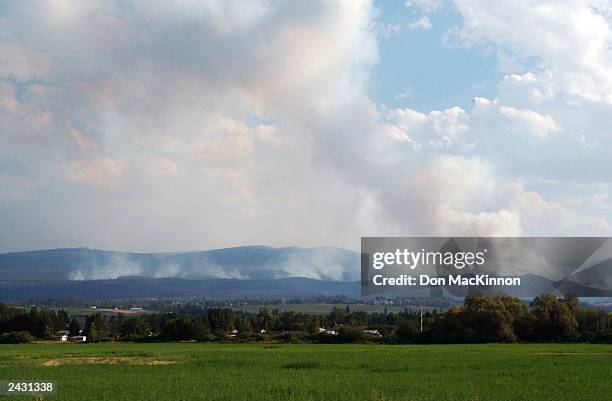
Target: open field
x: 321, y: 308
x: 108, y: 312
x: 191, y: 371
x: 313, y: 308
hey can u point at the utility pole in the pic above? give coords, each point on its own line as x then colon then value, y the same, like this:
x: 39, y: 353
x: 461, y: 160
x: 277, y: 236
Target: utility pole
x: 421, y: 310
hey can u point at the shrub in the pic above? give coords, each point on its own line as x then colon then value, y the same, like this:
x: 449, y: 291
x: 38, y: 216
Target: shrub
x: 16, y: 337
x: 349, y: 334
x: 288, y: 338
x: 407, y: 331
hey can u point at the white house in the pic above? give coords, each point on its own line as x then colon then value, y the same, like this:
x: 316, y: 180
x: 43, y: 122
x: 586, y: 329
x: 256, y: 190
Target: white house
x: 78, y: 339
x: 61, y: 335
x: 374, y: 333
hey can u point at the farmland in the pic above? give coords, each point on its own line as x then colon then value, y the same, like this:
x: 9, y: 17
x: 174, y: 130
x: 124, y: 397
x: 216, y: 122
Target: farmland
x: 312, y: 308
x: 323, y: 308
x: 217, y: 371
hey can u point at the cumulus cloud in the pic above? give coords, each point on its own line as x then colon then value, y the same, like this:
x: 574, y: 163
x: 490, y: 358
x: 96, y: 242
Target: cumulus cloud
x: 438, y: 128
x: 209, y: 124
x: 571, y: 37
x: 531, y: 121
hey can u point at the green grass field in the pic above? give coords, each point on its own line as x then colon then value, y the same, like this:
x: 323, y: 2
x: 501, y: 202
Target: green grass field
x: 189, y: 371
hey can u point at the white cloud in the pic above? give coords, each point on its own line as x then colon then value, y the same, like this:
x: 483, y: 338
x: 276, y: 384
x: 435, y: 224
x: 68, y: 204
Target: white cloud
x: 406, y: 94
x: 439, y: 129
x: 540, y: 125
x: 427, y: 6
x: 571, y: 38
x: 421, y: 23
x: 386, y: 31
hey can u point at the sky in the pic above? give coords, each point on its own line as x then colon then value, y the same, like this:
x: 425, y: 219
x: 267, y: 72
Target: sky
x: 150, y: 126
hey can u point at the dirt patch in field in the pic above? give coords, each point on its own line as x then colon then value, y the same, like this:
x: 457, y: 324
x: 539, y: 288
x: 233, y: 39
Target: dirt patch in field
x: 100, y: 360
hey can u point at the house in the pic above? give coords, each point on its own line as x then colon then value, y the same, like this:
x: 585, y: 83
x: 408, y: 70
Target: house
x: 374, y: 333
x: 78, y: 339
x: 323, y: 330
x: 61, y: 335
x: 233, y: 333
x: 262, y: 331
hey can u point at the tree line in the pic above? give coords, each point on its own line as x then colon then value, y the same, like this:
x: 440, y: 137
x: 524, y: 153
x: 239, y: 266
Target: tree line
x: 481, y: 318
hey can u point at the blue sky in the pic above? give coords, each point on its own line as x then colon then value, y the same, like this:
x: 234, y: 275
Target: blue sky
x: 418, y: 62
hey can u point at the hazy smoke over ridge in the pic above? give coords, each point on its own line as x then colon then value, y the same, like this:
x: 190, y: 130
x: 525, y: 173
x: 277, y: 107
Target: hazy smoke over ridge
x: 238, y: 263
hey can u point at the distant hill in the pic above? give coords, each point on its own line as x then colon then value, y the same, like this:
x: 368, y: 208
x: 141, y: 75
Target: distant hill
x: 247, y: 262
x: 248, y: 271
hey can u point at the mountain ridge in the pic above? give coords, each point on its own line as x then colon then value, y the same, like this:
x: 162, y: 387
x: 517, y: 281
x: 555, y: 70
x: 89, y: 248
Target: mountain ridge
x: 253, y: 270
x: 247, y: 262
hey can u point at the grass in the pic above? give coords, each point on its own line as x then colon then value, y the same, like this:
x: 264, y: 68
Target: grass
x: 236, y: 372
